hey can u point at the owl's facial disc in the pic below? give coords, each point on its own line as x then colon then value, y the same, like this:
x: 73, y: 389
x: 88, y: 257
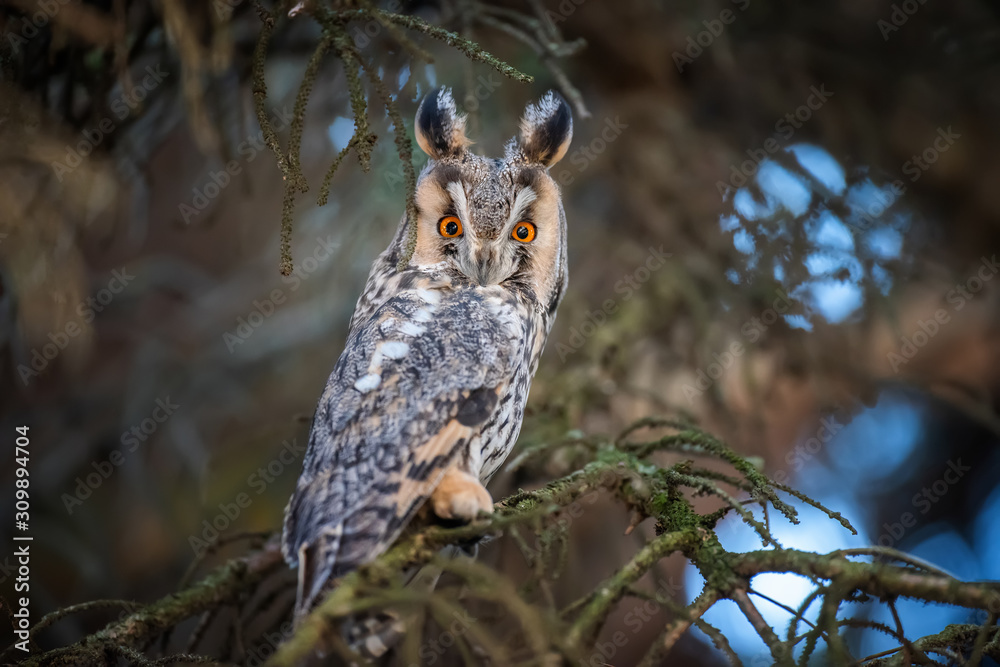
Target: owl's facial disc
x: 509, y: 228
x: 497, y: 230
x: 491, y: 221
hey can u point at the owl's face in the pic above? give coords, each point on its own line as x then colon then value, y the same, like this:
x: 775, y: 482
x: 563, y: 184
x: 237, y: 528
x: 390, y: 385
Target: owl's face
x: 493, y: 221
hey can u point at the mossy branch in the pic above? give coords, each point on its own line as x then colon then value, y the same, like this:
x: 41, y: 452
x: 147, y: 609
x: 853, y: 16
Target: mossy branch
x: 647, y: 489
x: 616, y: 470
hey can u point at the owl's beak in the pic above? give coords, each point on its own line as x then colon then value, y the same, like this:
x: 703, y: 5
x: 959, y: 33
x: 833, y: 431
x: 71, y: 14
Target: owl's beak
x: 483, y: 274
x: 484, y: 267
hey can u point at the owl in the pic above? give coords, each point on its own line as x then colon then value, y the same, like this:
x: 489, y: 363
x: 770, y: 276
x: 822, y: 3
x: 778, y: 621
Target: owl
x: 427, y: 399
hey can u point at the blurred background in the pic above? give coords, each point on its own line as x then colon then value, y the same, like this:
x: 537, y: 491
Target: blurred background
x: 784, y: 222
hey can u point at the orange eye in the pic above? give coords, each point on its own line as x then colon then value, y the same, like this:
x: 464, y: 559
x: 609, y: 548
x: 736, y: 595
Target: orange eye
x: 450, y: 227
x: 523, y: 232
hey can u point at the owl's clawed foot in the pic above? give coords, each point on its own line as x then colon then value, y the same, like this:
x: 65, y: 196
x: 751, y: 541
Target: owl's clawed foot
x: 460, y: 497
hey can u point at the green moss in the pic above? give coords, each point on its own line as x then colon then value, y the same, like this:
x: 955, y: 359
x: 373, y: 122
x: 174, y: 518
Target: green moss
x: 536, y: 520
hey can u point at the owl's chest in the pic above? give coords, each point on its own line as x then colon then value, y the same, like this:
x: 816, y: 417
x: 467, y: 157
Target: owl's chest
x: 499, y: 434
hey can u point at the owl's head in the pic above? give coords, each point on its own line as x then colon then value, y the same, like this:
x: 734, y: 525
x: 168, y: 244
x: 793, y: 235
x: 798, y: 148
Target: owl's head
x: 494, y: 221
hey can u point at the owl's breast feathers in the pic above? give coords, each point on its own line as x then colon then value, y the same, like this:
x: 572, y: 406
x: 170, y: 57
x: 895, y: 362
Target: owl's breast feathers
x: 414, y: 385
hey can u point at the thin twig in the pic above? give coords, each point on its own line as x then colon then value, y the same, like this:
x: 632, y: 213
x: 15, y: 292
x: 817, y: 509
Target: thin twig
x: 677, y: 627
x: 895, y: 554
x: 778, y: 650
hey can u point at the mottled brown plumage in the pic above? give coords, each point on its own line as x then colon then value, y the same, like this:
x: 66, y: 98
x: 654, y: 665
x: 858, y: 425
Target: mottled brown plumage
x: 427, y: 399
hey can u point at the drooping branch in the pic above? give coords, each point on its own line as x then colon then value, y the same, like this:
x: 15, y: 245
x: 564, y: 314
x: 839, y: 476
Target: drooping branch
x: 336, y: 41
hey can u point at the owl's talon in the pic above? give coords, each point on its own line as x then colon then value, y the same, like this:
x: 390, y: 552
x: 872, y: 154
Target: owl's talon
x: 460, y: 497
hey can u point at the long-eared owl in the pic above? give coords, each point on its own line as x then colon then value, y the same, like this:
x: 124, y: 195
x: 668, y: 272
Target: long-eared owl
x: 427, y: 399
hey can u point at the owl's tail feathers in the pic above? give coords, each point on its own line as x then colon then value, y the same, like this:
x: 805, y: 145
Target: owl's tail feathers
x: 316, y: 571
x: 375, y: 634
x: 371, y: 634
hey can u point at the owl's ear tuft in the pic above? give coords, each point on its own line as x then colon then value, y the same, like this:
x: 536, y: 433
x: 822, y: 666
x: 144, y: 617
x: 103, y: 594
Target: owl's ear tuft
x: 546, y: 130
x: 439, y: 127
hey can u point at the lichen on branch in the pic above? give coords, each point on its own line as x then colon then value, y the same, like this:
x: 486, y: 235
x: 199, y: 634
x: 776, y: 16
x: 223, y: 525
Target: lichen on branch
x: 626, y: 470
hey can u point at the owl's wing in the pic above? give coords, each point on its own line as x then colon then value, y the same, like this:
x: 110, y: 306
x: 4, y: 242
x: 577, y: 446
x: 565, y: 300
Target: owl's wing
x: 414, y: 384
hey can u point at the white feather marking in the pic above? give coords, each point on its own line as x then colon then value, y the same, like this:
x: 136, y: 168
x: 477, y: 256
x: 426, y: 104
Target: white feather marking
x: 457, y: 192
x: 431, y: 297
x: 422, y: 315
x: 387, y: 326
x: 411, y: 329
x: 521, y: 202
x: 496, y: 305
x: 394, y: 349
x: 368, y: 383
